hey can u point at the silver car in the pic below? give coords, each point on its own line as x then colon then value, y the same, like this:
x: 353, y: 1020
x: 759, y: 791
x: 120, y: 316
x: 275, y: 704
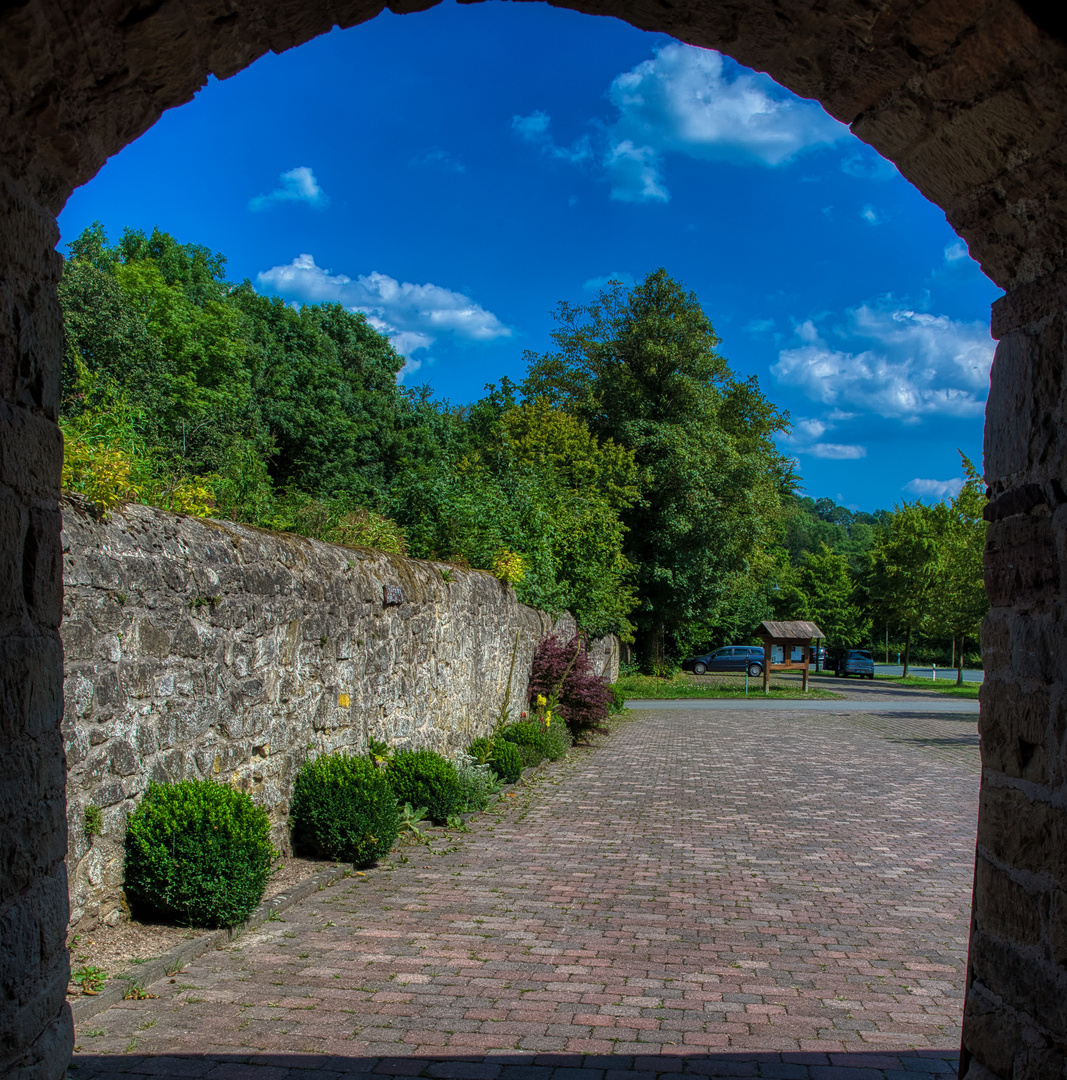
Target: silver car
x: 854, y: 662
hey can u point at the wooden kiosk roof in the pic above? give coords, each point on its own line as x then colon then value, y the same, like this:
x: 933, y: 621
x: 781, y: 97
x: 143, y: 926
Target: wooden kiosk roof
x: 790, y: 631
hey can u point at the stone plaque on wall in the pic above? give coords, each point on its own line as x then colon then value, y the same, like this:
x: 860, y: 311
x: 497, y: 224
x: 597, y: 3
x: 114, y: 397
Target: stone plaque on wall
x: 393, y: 595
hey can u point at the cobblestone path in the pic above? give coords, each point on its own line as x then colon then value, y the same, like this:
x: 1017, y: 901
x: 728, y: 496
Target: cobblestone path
x: 770, y: 894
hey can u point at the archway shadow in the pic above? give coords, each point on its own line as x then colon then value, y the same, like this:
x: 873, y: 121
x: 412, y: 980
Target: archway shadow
x: 744, y: 1065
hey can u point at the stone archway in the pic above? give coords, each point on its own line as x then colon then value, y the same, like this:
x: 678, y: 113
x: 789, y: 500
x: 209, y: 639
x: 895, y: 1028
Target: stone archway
x: 967, y: 97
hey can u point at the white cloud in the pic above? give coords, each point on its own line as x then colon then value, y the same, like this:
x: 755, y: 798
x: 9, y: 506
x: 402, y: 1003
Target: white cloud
x: 867, y: 164
x: 534, y: 129
x: 686, y: 100
x: 297, y: 185
x: 806, y: 433
x: 914, y: 364
x: 871, y: 216
x: 760, y: 326
x: 635, y: 173
x: 837, y: 451
x: 937, y: 489
x: 437, y: 158
x: 413, y: 316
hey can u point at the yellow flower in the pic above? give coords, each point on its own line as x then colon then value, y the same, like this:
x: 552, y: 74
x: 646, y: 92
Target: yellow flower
x: 541, y: 700
x: 548, y: 718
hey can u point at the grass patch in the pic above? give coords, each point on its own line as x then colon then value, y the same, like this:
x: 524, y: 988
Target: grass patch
x: 684, y: 685
x: 939, y: 686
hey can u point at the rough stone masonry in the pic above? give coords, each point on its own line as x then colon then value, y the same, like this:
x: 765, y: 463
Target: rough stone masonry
x: 967, y: 97
x: 199, y: 648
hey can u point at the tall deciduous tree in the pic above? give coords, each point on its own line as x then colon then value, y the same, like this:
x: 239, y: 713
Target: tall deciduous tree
x: 641, y: 369
x: 906, y: 568
x: 960, y: 598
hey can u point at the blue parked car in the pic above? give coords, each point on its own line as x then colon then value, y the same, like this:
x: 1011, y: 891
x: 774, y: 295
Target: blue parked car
x: 736, y: 658
x: 854, y: 662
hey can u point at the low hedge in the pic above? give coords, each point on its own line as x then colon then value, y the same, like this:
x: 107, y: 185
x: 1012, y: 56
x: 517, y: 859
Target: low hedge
x: 424, y: 778
x: 343, y: 808
x: 198, y: 853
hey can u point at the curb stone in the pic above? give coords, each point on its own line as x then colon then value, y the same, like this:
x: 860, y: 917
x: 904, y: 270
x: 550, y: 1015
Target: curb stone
x: 159, y: 967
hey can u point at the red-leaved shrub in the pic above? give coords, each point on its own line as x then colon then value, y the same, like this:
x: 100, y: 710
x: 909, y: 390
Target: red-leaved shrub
x: 584, y: 697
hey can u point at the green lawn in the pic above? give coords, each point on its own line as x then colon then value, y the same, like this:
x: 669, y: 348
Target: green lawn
x: 684, y: 685
x: 938, y: 686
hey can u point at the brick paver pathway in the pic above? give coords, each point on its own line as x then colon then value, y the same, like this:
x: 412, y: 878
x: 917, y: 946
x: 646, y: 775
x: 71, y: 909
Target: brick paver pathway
x: 729, y: 894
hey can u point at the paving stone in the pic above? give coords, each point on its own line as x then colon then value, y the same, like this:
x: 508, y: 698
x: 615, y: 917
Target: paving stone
x: 730, y: 894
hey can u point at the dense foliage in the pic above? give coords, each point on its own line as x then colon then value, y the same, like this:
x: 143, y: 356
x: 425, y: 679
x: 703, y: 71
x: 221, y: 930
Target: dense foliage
x: 343, y: 808
x: 424, y: 779
x: 197, y: 852
x: 641, y: 368
x: 632, y: 479
x: 562, y: 682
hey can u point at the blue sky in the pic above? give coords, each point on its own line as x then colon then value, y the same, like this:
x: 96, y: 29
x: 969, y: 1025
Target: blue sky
x: 456, y: 173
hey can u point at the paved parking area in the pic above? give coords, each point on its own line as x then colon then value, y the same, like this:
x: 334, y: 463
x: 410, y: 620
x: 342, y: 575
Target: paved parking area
x: 779, y: 894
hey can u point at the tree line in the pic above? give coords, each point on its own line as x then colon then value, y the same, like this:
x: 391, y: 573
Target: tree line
x: 631, y: 478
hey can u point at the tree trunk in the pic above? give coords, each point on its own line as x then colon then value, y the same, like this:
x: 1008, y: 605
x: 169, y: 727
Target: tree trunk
x: 650, y: 649
x: 959, y: 665
x: 953, y: 650
x: 907, y: 650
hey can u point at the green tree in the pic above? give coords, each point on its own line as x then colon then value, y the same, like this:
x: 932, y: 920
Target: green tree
x: 641, y: 368
x: 960, y: 601
x: 906, y: 568
x: 823, y: 590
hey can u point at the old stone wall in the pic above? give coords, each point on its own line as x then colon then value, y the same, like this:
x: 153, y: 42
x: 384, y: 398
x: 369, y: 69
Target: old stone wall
x: 204, y: 649
x: 1015, y: 1022
x: 36, y: 1033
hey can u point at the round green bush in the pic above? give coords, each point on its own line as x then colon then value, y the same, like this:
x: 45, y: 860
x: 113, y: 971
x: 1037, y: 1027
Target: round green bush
x: 506, y: 760
x: 557, y: 741
x: 423, y: 778
x: 197, y: 852
x: 480, y: 749
x: 529, y: 738
x: 343, y: 808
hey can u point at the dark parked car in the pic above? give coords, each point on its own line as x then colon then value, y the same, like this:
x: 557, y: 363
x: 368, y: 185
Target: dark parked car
x: 854, y: 662
x: 731, y: 658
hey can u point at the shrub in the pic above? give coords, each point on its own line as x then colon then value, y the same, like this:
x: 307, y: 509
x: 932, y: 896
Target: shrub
x: 557, y: 741
x: 531, y: 738
x: 561, y: 672
x: 423, y: 778
x: 506, y: 760
x: 343, y: 808
x: 197, y: 852
x: 617, y: 702
x: 480, y: 750
x: 476, y: 784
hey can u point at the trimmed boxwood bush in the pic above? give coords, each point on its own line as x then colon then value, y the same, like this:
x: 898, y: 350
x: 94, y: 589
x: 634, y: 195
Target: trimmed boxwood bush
x: 506, y: 759
x: 343, y: 808
x: 424, y: 778
x: 531, y: 739
x: 197, y: 852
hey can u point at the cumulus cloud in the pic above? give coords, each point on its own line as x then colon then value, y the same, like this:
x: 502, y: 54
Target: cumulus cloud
x: 837, y: 451
x: 936, y: 489
x: 686, y: 100
x: 534, y: 129
x: 914, y: 364
x: 867, y: 164
x: 413, y: 316
x: 806, y: 435
x: 439, y: 159
x: 956, y: 265
x: 297, y: 185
